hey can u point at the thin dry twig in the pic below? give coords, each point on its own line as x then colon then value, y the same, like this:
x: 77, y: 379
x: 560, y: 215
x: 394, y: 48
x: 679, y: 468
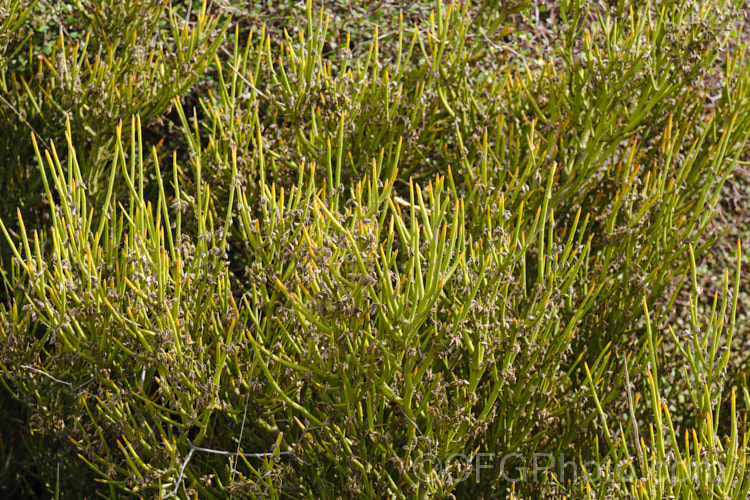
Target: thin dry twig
x: 23, y: 119
x: 239, y: 440
x: 194, y: 448
x: 631, y: 406
x: 63, y: 382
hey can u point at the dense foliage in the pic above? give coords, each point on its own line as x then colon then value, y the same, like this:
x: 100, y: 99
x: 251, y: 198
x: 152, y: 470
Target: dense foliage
x: 318, y: 252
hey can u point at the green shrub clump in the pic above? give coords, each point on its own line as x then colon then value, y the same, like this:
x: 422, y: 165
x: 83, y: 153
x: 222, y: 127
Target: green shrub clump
x: 268, y: 260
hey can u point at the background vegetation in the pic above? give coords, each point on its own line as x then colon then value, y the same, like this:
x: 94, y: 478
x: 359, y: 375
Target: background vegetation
x: 317, y: 250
